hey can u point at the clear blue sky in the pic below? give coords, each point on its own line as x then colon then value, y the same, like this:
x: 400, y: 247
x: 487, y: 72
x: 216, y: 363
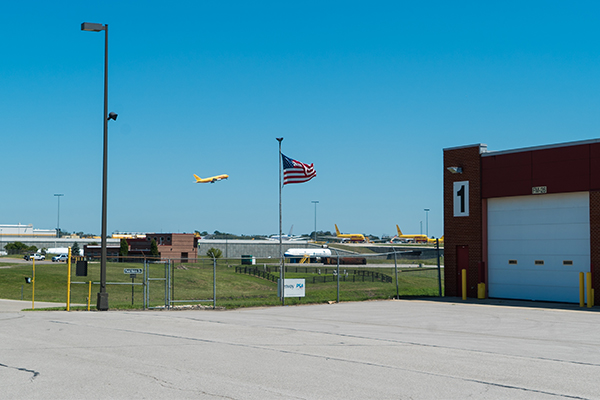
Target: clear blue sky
x: 370, y: 92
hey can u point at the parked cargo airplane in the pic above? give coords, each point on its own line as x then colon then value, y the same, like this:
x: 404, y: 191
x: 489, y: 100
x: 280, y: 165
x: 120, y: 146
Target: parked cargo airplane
x: 433, y: 240
x: 354, y: 237
x: 212, y: 179
x: 416, y: 238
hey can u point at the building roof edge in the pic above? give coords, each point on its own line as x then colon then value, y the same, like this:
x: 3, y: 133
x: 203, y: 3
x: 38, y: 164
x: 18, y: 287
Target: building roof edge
x: 543, y: 147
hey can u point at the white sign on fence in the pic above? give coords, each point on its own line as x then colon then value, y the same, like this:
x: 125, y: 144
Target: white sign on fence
x: 293, y: 288
x: 130, y: 271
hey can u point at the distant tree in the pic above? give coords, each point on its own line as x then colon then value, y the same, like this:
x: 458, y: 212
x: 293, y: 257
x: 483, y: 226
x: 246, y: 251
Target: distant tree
x: 124, y: 250
x: 16, y: 248
x: 75, y: 250
x: 154, y: 249
x: 214, y: 253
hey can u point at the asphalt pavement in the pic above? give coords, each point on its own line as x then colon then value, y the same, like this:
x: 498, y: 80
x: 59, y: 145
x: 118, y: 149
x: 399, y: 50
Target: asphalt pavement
x: 398, y: 349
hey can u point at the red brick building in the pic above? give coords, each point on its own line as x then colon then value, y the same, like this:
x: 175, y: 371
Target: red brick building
x: 525, y: 222
x: 175, y: 246
x: 182, y: 246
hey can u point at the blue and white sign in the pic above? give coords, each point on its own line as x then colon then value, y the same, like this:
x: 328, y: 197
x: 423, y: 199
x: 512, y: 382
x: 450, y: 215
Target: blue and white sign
x: 292, y: 288
x: 129, y: 271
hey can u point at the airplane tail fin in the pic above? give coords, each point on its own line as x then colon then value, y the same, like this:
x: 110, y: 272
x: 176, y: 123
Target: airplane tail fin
x: 399, y: 231
x: 337, y: 231
x: 198, y: 179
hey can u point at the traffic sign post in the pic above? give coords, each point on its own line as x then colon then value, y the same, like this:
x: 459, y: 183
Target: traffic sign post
x: 132, y: 274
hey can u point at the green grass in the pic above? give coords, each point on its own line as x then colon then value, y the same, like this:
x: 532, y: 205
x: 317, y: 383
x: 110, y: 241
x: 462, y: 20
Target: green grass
x: 194, y: 281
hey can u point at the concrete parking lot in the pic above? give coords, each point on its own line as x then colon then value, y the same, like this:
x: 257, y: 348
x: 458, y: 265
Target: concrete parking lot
x: 402, y: 349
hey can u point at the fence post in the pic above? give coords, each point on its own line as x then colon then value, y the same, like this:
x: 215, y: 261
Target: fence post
x: 145, y: 287
x: 166, y: 284
x: 396, y: 270
x: 214, y: 282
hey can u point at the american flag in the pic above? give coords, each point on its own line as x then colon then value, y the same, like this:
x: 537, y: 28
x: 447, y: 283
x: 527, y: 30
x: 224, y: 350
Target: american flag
x: 296, y: 171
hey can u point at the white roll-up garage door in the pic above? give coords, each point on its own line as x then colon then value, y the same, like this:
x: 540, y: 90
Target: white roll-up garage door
x: 537, y: 245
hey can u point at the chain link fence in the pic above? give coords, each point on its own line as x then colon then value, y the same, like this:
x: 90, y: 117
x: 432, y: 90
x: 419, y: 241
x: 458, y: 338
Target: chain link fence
x: 247, y: 281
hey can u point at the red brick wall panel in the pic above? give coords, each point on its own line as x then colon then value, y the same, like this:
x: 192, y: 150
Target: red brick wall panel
x: 460, y: 231
x: 562, y: 169
x: 506, y: 175
x: 595, y: 166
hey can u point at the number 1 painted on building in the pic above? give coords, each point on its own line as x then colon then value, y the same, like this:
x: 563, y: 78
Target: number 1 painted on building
x: 461, y: 199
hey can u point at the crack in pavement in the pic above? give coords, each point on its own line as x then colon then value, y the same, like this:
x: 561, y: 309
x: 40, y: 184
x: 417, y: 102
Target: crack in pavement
x: 35, y: 373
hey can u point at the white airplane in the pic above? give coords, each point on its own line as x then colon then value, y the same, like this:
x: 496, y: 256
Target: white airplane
x: 286, y: 237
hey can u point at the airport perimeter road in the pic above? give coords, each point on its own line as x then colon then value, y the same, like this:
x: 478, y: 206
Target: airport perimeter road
x: 373, y: 350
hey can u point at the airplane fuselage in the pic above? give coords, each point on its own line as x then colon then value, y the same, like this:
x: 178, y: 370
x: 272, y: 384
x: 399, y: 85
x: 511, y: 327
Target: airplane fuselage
x: 212, y: 179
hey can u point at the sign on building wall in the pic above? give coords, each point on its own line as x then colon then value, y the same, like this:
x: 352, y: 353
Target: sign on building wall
x: 461, y: 199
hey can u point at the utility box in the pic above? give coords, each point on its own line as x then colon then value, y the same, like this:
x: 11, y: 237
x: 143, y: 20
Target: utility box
x: 81, y: 268
x: 248, y: 260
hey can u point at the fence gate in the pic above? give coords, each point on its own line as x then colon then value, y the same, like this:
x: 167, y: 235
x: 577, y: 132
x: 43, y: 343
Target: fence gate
x: 172, y: 281
x: 159, y: 273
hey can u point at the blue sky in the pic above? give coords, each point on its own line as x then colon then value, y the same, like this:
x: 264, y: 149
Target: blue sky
x: 370, y: 92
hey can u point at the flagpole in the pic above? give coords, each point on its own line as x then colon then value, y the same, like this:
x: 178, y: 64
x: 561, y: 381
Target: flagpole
x: 281, y: 264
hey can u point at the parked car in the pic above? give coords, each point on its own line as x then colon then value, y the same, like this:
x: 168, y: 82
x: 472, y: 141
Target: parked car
x: 35, y: 256
x: 60, y: 257
x: 3, y: 253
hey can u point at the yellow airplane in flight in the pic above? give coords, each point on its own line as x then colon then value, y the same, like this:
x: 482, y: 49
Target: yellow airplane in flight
x: 212, y: 179
x: 354, y: 237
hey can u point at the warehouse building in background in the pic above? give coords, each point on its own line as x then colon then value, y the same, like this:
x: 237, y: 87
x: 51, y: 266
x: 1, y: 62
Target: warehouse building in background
x: 525, y: 222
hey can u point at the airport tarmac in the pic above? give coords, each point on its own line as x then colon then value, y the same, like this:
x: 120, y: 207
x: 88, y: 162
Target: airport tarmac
x: 398, y: 349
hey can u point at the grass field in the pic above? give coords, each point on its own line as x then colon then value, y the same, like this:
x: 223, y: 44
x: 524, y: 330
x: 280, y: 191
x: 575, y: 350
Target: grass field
x: 194, y: 281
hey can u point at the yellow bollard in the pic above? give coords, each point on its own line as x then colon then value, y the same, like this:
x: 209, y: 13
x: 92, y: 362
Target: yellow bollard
x: 589, y: 289
x: 464, y: 284
x: 89, y: 294
x: 481, y: 290
x: 33, y: 287
x: 69, y: 282
x: 581, y: 290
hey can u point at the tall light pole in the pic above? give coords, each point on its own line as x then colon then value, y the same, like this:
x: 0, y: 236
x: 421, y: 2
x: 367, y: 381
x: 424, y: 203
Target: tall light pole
x: 102, y: 301
x: 427, y: 221
x: 315, y: 202
x: 58, y: 195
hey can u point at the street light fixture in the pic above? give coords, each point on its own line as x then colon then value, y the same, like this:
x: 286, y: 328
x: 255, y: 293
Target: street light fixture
x: 102, y: 301
x: 58, y: 195
x: 427, y: 221
x: 315, y: 202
